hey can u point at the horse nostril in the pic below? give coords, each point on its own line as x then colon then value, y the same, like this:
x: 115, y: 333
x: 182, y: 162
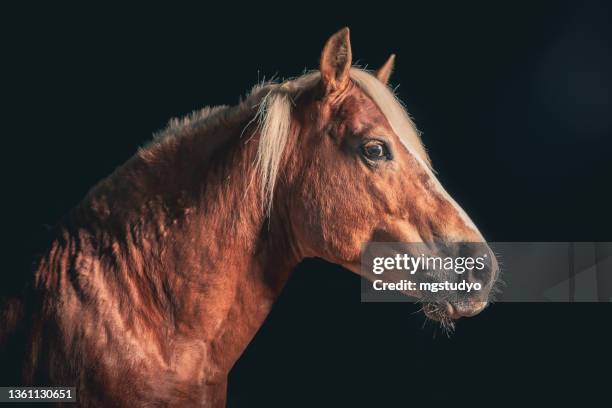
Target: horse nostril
x: 483, y: 264
x: 488, y: 273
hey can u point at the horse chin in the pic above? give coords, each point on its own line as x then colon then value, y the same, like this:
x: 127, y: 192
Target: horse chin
x: 447, y: 311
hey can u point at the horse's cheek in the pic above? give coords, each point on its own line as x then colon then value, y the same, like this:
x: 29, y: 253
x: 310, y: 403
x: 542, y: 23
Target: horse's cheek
x: 346, y: 218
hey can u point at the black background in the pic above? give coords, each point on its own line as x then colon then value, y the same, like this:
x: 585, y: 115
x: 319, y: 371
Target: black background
x: 514, y: 101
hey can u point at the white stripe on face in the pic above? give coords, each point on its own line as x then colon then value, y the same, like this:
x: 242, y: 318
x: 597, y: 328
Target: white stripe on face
x: 442, y: 192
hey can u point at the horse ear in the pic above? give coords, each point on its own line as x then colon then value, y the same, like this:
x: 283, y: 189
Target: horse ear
x: 336, y: 61
x: 385, y: 71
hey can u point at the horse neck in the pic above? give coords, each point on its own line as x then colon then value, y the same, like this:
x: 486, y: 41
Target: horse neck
x: 186, y: 240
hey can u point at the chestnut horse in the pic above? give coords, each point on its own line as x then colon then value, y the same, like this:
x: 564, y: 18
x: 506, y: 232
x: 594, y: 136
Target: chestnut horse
x: 159, y: 279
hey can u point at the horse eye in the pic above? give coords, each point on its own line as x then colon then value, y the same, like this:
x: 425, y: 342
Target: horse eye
x: 375, y: 150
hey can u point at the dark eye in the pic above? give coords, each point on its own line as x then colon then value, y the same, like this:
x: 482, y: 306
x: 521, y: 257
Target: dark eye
x: 375, y: 150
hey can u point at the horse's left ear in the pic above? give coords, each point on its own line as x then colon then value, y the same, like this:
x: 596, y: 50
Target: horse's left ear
x: 385, y: 71
x: 336, y: 60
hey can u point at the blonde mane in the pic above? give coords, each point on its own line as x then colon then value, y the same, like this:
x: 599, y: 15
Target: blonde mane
x: 273, y: 103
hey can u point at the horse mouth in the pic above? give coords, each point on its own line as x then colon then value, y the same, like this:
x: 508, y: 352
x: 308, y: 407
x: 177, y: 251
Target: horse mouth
x: 446, y: 311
